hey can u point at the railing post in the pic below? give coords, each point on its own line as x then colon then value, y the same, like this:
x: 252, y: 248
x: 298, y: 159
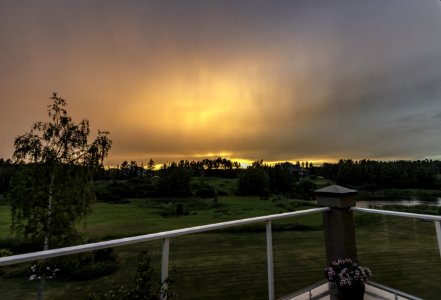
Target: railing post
x: 338, y: 225
x: 164, y: 267
x: 438, y: 234
x: 269, y: 258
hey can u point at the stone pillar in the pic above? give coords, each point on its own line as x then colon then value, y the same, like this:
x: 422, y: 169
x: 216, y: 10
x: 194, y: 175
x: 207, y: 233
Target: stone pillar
x: 338, y: 225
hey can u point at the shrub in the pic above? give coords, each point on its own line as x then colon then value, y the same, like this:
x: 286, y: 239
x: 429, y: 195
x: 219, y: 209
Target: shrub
x: 222, y: 193
x: 205, y: 190
x: 100, y: 263
x: 179, y: 209
x: 254, y: 181
x: 5, y: 252
x: 305, y: 189
x: 174, y: 182
x: 147, y: 284
x: 19, y: 245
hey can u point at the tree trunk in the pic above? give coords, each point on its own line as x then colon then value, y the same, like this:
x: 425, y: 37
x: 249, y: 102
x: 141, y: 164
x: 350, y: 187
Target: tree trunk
x: 40, y: 294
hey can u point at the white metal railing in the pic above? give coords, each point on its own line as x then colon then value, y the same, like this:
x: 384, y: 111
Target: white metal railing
x: 320, y: 290
x: 395, y: 292
x: 165, y: 237
x: 436, y: 219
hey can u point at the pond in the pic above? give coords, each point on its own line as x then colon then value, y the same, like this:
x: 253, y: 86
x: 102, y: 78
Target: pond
x: 413, y: 201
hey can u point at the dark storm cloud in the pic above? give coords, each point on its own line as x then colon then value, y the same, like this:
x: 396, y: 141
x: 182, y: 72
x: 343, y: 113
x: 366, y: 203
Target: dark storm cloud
x: 257, y: 79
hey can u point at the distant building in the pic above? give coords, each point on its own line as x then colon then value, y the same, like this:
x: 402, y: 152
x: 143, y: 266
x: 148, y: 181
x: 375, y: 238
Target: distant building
x: 296, y: 170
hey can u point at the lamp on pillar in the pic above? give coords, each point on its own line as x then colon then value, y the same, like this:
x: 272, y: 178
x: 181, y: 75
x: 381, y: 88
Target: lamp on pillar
x: 338, y: 222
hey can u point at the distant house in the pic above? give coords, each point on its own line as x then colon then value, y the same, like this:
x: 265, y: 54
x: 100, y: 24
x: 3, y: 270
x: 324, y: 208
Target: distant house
x: 133, y: 171
x: 296, y: 170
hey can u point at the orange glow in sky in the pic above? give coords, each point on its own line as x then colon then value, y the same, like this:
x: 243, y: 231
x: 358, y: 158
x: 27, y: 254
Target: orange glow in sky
x: 279, y: 81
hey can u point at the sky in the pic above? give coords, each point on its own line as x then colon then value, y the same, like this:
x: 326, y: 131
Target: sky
x: 274, y: 80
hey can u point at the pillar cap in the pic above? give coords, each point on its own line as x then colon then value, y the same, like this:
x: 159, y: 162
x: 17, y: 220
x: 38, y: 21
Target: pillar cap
x: 335, y: 190
x: 336, y: 196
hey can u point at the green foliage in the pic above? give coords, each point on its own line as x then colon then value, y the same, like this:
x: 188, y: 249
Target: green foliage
x: 19, y: 246
x: 110, y: 191
x: 147, y: 284
x: 254, y: 181
x: 52, y: 192
x: 205, y: 190
x: 71, y: 199
x: 119, y: 191
x: 93, y: 265
x: 293, y: 205
x: 7, y: 170
x: 179, y: 207
x: 77, y: 267
x: 175, y: 182
x: 304, y: 189
x: 261, y: 179
x: 5, y: 252
x: 281, y: 179
x: 403, y: 253
x: 371, y: 175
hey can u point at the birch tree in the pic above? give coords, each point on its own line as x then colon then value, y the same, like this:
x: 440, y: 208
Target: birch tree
x: 52, y: 192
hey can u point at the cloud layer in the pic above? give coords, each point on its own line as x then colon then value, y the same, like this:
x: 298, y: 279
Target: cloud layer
x: 281, y: 80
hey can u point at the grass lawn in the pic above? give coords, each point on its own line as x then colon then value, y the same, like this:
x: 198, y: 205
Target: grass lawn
x: 402, y: 253
x: 231, y: 264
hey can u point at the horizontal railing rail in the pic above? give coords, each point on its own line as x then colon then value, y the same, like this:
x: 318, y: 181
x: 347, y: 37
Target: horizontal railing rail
x: 436, y: 219
x: 397, y: 214
x: 307, y: 292
x: 165, y: 237
x: 393, y: 291
x: 15, y: 259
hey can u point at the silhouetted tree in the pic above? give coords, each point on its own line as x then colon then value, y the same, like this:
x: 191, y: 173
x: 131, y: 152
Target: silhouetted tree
x: 7, y: 171
x: 151, y: 167
x: 392, y: 174
x: 281, y: 179
x: 52, y: 191
x: 175, y: 182
x: 254, y: 181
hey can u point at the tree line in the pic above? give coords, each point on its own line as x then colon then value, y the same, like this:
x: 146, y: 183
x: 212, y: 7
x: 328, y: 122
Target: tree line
x: 372, y: 175
x: 217, y: 167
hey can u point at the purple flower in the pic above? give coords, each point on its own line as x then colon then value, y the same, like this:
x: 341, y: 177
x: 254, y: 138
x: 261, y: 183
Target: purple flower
x: 345, y: 272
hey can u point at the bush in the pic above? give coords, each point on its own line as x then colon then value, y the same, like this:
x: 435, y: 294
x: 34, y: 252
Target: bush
x: 94, y: 270
x: 82, y: 266
x: 19, y: 246
x: 147, y: 284
x: 119, y: 191
x: 179, y: 209
x: 205, y: 190
x: 222, y: 193
x: 100, y: 263
x: 5, y: 252
x: 113, y: 192
x: 254, y: 181
x: 174, y: 182
x: 305, y: 189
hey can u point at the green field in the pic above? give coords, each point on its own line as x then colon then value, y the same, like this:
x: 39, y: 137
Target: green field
x: 231, y: 264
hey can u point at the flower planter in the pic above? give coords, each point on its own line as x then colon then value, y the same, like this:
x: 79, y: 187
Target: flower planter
x: 349, y: 277
x: 354, y: 291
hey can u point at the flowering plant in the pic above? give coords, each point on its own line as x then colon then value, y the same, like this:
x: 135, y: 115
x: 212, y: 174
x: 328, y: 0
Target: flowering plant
x: 42, y: 269
x: 345, y: 272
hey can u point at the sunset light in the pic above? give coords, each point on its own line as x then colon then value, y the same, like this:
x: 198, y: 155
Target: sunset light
x: 220, y: 149
x: 284, y: 82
